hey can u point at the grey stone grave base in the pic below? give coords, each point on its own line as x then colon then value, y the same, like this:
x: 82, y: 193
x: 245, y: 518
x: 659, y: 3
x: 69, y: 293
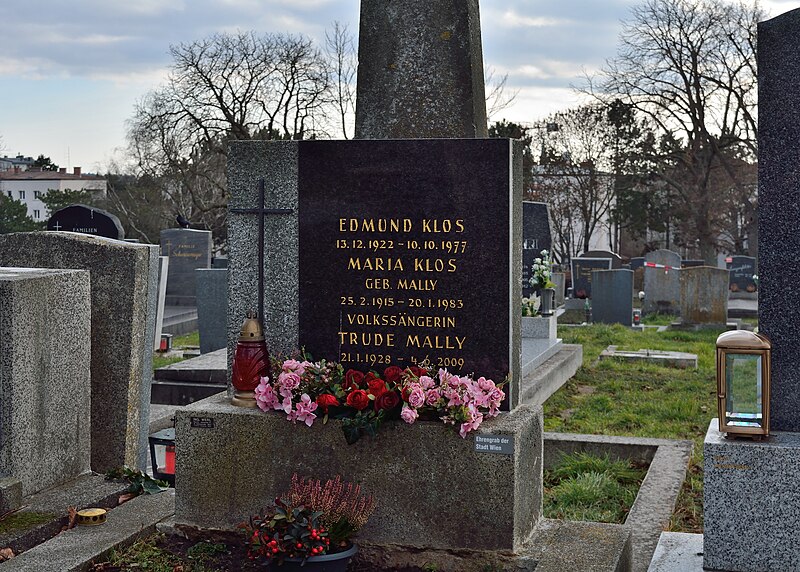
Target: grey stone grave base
x: 678, y: 552
x: 680, y: 360
x: 751, y: 502
x: 179, y: 320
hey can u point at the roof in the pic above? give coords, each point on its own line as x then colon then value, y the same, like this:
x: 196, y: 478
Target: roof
x: 47, y: 176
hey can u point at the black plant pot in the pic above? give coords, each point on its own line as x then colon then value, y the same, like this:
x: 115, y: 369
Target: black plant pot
x: 325, y: 563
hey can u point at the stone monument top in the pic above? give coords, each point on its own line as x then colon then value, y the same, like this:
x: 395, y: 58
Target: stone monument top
x: 420, y: 70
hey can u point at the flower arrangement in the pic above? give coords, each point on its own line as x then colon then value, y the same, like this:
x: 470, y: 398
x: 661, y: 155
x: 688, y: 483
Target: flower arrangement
x: 303, y: 390
x: 540, y: 272
x: 530, y: 306
x: 310, y: 519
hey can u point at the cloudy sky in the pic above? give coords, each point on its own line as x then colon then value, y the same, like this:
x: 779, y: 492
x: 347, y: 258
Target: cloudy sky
x: 70, y: 72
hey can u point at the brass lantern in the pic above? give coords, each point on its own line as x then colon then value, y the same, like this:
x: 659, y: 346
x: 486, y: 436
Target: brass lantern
x: 743, y: 383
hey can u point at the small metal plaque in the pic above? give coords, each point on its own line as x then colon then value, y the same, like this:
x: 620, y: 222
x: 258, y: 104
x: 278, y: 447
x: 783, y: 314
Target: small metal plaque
x: 203, y: 422
x: 497, y: 444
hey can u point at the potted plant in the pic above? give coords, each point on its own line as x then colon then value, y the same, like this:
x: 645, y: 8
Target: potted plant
x: 310, y: 527
x: 540, y: 280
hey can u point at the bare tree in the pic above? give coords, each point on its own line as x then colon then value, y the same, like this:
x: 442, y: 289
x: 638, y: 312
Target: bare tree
x: 690, y: 67
x: 341, y: 51
x: 227, y: 86
x: 497, y: 96
x: 574, y: 175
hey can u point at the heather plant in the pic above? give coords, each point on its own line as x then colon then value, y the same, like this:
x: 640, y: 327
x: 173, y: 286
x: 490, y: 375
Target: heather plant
x: 343, y: 509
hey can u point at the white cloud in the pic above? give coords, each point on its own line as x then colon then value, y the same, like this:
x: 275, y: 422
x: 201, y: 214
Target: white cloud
x: 511, y: 19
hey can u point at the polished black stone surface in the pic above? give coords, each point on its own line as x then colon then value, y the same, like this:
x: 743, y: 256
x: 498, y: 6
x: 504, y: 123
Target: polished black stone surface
x: 397, y: 233
x: 537, y: 235
x: 779, y: 210
x: 742, y: 269
x: 86, y: 220
x: 582, y: 274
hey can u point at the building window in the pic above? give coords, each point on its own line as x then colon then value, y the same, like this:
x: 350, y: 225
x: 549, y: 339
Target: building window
x: 37, y: 194
x: 22, y: 195
x: 36, y: 214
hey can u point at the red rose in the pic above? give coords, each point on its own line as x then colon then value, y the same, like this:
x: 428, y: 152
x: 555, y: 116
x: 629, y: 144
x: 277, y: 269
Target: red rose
x: 387, y: 400
x: 418, y: 371
x: 370, y: 375
x: 376, y: 386
x: 352, y: 379
x: 392, y: 374
x: 326, y: 400
x: 358, y: 399
x: 405, y: 392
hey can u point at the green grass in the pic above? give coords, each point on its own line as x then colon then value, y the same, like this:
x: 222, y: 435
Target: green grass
x: 23, y: 520
x: 588, y: 487
x: 186, y: 341
x: 146, y: 555
x: 643, y: 400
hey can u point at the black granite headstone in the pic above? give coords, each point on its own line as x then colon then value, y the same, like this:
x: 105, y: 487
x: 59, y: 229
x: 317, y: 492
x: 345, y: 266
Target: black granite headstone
x: 537, y: 235
x: 637, y: 262
x: 692, y: 263
x: 86, y: 220
x: 612, y: 296
x: 188, y: 249
x: 582, y: 274
x: 406, y: 254
x: 616, y: 260
x: 742, y: 269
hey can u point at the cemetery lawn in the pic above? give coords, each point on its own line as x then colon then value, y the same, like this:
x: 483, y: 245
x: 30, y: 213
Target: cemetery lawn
x: 588, y: 487
x: 642, y: 400
x: 190, y: 340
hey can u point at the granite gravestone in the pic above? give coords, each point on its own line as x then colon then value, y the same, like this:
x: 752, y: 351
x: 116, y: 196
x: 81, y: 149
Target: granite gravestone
x: 612, y: 296
x: 188, y: 249
x: 403, y: 43
x: 212, y: 308
x: 750, y: 496
x: 582, y: 269
x: 537, y: 235
x: 704, y: 295
x: 637, y: 262
x: 662, y: 287
x: 616, y: 260
x: 86, y: 220
x: 124, y: 291
x: 45, y: 388
x: 742, y: 269
x: 396, y: 277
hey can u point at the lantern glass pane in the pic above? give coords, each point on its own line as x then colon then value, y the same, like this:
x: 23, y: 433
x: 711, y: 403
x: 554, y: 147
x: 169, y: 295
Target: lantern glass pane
x: 743, y: 390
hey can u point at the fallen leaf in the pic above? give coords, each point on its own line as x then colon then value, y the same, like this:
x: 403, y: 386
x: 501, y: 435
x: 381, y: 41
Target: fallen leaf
x: 73, y: 517
x: 6, y: 554
x: 125, y: 498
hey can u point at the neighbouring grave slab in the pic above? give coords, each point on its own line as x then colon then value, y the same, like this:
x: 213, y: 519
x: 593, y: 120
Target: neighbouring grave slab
x: 560, y: 280
x: 751, y: 502
x: 779, y: 210
x: 681, y: 360
x: 637, y: 262
x: 45, y: 387
x: 704, y: 295
x: 410, y: 40
x: 212, y: 308
x: 539, y: 327
x: 191, y: 380
x: 537, y: 235
x: 612, y: 296
x: 499, y: 491
x: 123, y: 308
x: 188, y: 249
x: 86, y: 220
x: 742, y: 269
x: 616, y: 260
x: 163, y: 270
x: 662, y: 286
x: 399, y: 276
x: 582, y: 269
x: 692, y: 263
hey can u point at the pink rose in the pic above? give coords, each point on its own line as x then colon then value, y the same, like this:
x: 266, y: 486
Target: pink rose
x: 289, y: 380
x: 432, y: 397
x: 485, y: 384
x: 265, y: 395
x: 426, y: 382
x: 304, y: 411
x: 408, y: 414
x: 417, y: 396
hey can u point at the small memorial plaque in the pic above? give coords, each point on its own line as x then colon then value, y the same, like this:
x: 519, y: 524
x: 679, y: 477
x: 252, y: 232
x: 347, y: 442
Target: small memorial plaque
x: 742, y: 269
x: 497, y: 444
x: 203, y: 422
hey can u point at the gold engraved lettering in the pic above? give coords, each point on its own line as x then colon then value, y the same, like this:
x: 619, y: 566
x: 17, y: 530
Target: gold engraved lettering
x: 436, y: 342
x: 375, y: 225
x: 416, y: 284
x: 434, y: 265
x: 378, y: 339
x: 382, y: 264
